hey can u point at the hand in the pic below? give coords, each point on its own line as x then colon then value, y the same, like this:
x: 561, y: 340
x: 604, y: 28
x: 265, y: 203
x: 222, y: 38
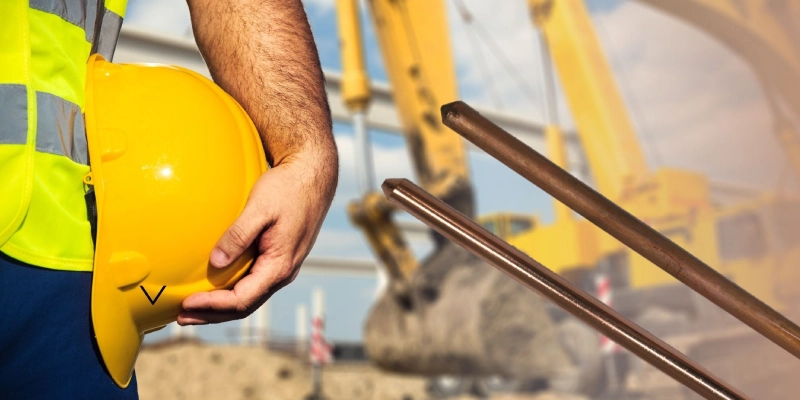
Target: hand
x: 284, y: 214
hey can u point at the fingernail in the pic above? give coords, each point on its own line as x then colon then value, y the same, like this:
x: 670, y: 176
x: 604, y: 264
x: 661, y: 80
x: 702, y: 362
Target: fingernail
x: 218, y: 258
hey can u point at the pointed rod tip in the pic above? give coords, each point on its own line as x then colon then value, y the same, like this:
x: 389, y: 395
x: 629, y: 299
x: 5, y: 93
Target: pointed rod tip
x: 450, y: 107
x: 389, y: 185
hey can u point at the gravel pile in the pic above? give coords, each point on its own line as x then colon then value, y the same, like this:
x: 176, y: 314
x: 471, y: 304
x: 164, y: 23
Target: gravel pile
x: 196, y: 371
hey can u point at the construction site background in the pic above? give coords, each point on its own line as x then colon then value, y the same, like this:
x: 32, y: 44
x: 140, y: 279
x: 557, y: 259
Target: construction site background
x: 695, y: 105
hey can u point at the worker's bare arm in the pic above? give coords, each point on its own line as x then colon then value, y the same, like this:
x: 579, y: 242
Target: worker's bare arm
x: 262, y: 52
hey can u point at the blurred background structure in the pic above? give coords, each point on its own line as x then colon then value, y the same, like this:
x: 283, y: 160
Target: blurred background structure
x: 697, y: 109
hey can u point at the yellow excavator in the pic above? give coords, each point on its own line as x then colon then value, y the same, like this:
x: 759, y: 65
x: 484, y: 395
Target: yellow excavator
x: 678, y: 203
x: 755, y: 243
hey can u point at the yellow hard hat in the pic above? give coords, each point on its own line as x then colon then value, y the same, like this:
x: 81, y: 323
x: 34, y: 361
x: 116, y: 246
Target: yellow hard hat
x: 173, y: 160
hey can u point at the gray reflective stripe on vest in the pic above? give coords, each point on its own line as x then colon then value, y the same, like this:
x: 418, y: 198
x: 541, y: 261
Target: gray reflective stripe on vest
x: 109, y: 32
x: 81, y: 13
x: 59, y: 123
x: 59, y: 128
x: 13, y: 114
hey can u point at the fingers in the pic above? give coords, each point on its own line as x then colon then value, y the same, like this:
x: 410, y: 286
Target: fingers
x: 249, y: 293
x: 217, y: 300
x: 214, y: 307
x: 238, y: 237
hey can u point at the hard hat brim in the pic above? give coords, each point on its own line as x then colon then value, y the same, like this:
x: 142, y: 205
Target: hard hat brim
x: 117, y: 336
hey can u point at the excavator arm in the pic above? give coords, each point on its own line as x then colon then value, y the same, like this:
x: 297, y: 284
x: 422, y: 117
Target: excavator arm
x: 415, y: 44
x: 612, y: 148
x: 422, y: 75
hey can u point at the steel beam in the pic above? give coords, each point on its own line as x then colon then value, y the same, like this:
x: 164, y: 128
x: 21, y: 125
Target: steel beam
x: 137, y: 45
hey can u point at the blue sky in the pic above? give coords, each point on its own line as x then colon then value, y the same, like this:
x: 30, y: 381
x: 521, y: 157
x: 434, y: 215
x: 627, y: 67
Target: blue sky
x: 692, y: 102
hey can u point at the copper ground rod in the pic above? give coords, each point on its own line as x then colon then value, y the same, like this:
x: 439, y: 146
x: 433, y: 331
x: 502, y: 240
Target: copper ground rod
x: 468, y: 234
x: 617, y: 222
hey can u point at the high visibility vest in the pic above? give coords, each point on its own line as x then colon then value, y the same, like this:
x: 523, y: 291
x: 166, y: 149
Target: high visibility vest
x: 44, y: 47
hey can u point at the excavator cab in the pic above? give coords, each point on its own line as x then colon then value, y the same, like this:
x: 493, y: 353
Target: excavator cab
x: 760, y: 247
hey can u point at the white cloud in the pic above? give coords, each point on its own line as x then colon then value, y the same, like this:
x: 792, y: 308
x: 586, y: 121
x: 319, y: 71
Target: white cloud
x: 510, y: 28
x: 340, y: 243
x: 165, y: 16
x: 389, y: 162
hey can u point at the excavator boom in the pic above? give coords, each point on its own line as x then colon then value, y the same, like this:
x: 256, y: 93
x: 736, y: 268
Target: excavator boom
x: 415, y: 44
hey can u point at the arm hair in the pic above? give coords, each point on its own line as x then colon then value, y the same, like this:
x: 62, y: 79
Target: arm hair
x: 263, y: 54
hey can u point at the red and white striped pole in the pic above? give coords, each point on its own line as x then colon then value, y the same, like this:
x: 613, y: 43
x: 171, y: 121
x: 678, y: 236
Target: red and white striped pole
x: 607, y: 346
x: 605, y: 294
x: 320, y: 352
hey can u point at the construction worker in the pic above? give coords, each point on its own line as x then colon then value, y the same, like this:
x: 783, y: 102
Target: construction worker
x: 261, y: 53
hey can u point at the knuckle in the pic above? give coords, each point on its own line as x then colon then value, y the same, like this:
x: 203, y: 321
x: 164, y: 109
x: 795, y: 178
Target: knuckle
x: 237, y: 237
x: 286, y: 275
x: 243, y: 309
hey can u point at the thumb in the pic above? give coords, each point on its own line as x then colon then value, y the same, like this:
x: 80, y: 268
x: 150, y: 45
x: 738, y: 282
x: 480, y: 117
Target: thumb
x: 239, y: 236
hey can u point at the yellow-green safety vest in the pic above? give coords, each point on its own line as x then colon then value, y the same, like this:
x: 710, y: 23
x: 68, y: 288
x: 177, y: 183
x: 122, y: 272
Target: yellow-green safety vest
x: 44, y: 46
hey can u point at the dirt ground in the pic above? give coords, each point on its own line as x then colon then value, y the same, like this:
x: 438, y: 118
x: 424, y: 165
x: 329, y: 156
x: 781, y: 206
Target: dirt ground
x: 197, y: 371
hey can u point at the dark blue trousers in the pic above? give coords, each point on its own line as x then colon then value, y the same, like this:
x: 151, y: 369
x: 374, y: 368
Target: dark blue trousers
x: 47, y: 349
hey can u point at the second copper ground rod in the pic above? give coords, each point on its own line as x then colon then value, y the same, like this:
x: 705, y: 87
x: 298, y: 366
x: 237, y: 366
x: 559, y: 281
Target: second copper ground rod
x: 617, y: 222
x: 468, y: 234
